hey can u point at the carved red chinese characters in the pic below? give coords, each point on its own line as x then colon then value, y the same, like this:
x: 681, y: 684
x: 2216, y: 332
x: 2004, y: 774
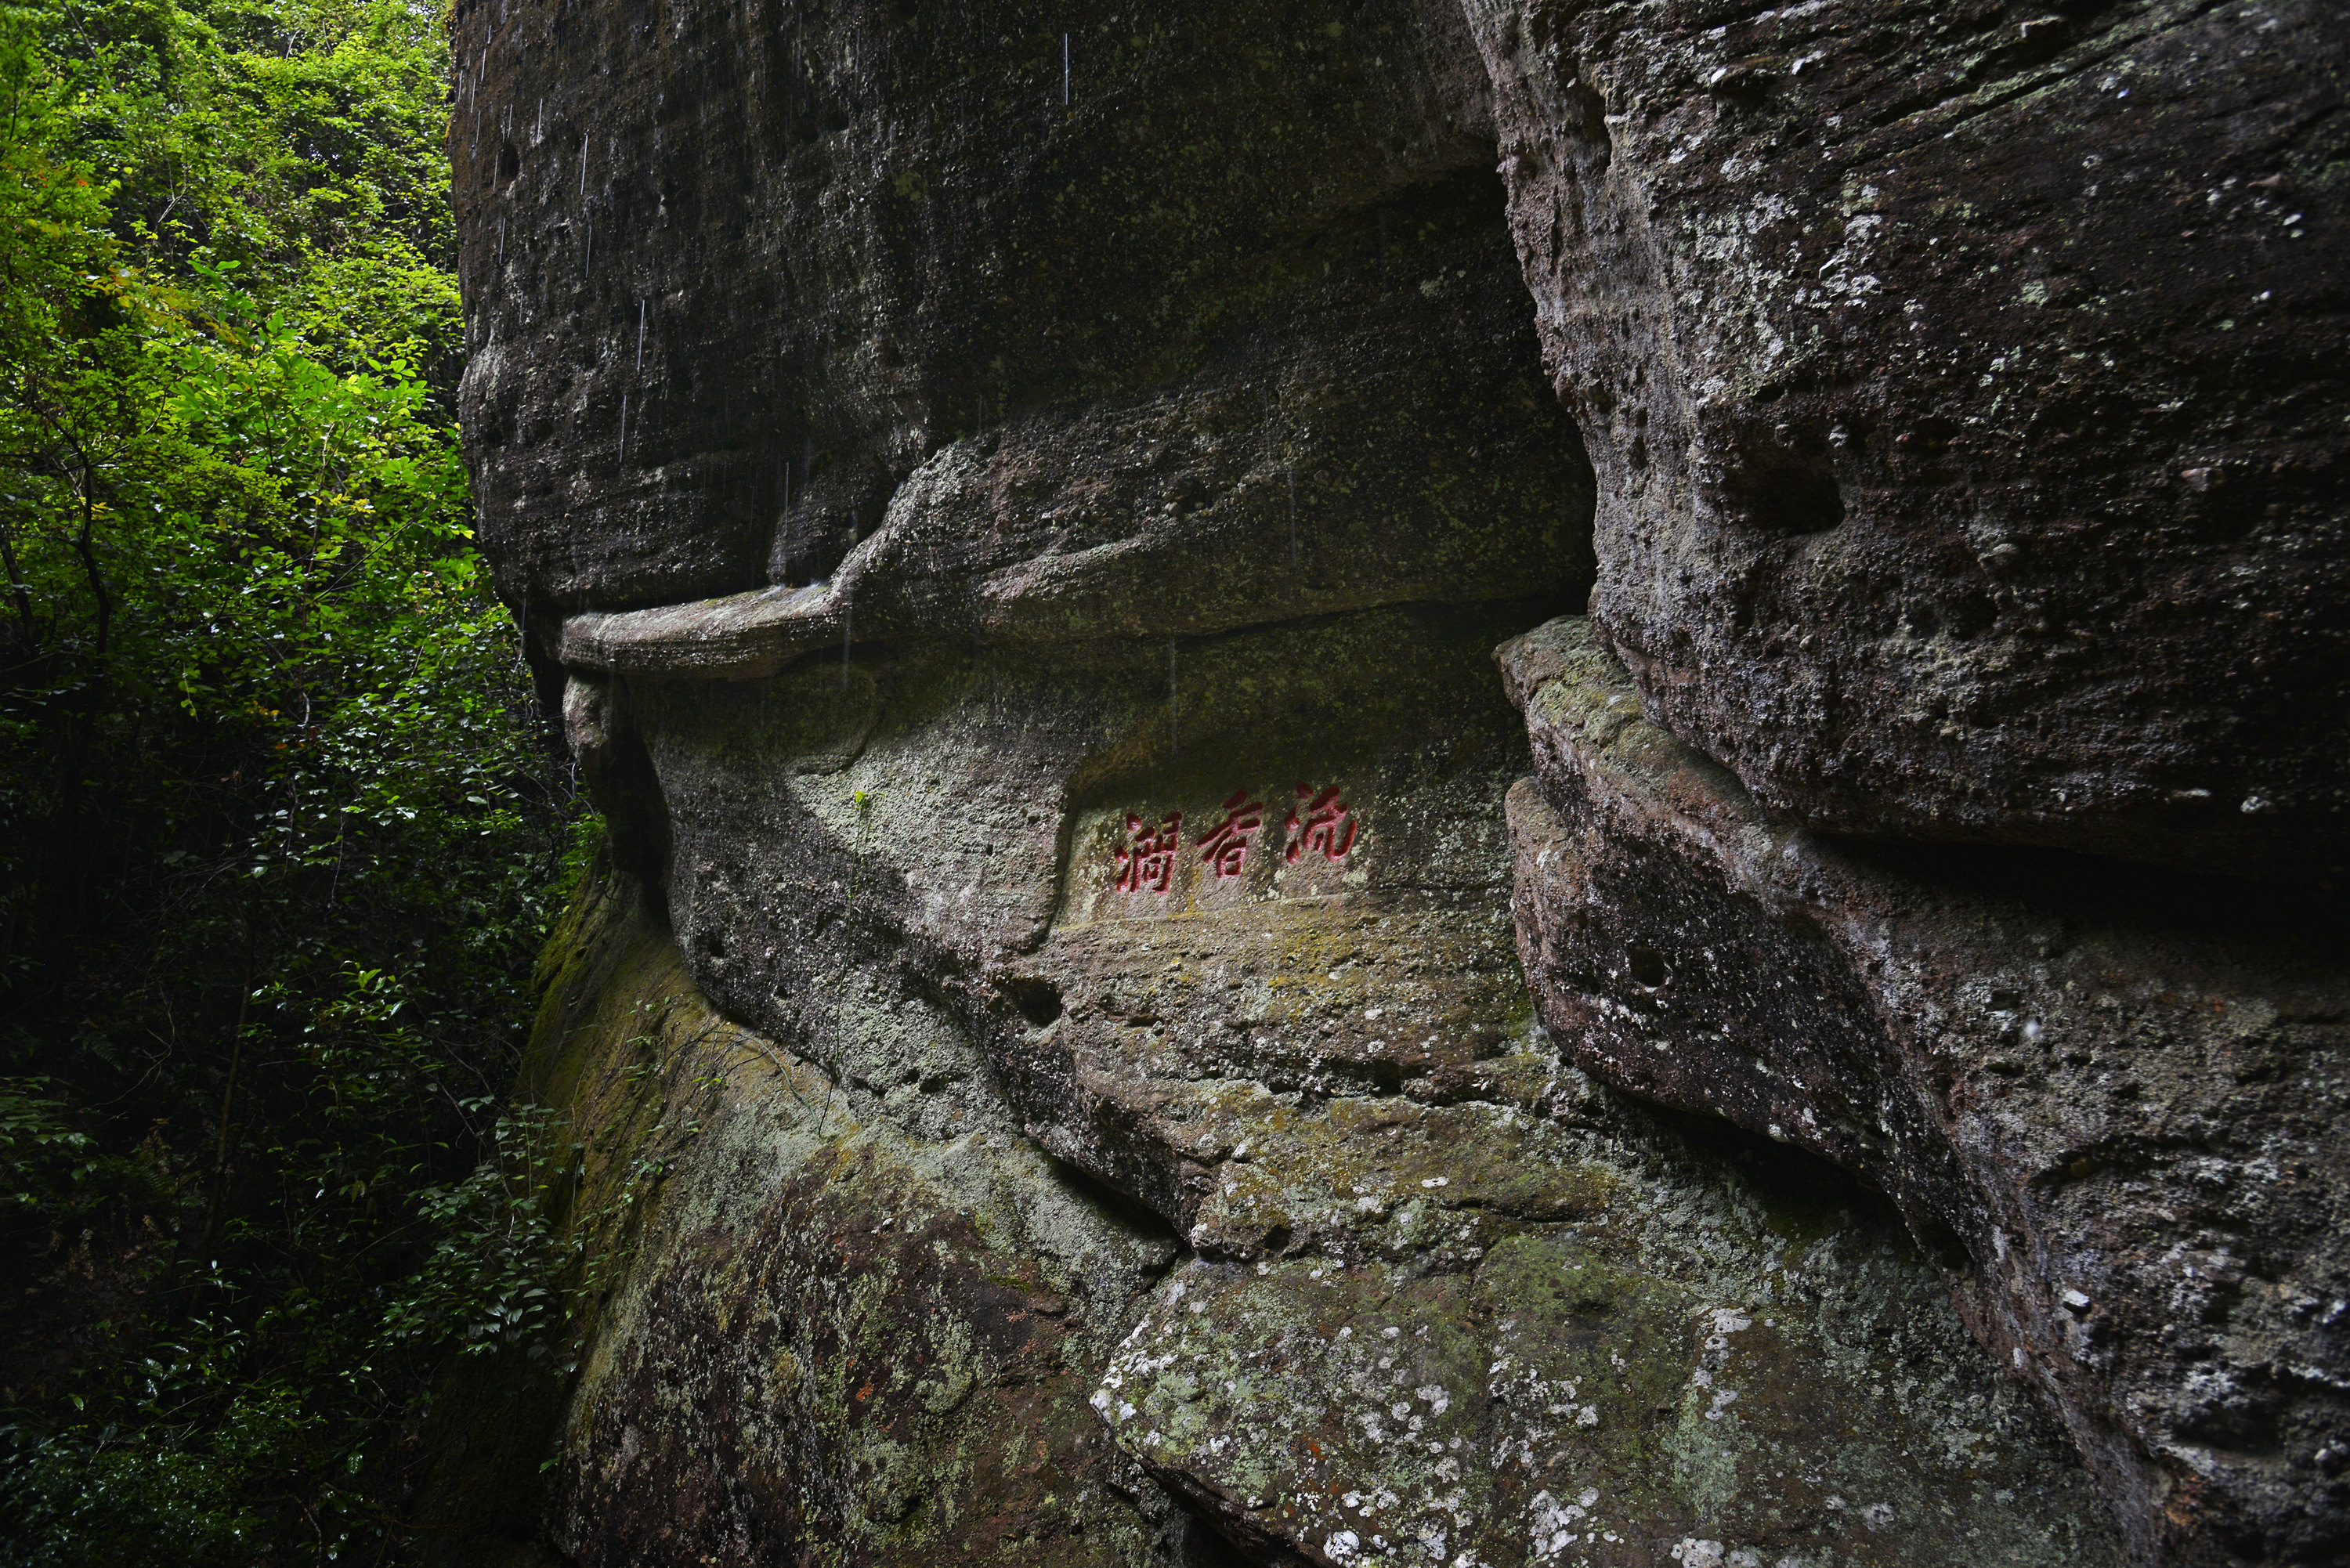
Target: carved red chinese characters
x: 1226, y: 846
x: 1148, y: 859
x: 1320, y: 823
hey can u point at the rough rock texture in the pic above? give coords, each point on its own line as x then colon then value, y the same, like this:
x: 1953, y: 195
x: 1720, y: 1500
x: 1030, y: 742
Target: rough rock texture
x: 2119, y: 1095
x: 1502, y: 1317
x: 1228, y: 333
x: 1964, y: 385
x: 1017, y: 505
x: 1295, y: 1061
x: 1528, y: 1325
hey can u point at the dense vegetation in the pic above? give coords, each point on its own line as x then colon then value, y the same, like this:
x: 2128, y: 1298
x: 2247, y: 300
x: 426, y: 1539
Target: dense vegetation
x: 277, y: 835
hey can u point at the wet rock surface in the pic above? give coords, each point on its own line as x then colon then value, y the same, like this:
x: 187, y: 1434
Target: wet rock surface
x: 1133, y: 295
x: 1961, y: 389
x: 1017, y: 508
x: 2116, y: 1096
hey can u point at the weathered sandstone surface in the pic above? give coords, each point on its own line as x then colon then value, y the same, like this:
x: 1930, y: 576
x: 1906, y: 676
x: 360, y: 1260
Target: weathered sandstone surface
x: 2116, y: 1098
x: 1110, y: 1030
x: 1498, y: 1313
x: 1964, y: 386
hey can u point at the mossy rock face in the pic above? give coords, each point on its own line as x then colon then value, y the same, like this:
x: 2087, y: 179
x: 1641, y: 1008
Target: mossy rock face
x: 1021, y: 554
x: 826, y: 1338
x: 2105, y: 1089
x: 1674, y: 1361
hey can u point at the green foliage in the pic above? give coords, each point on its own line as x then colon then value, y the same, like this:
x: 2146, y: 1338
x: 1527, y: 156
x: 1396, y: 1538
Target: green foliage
x: 40, y: 1156
x: 515, y: 1259
x: 278, y: 837
x: 490, y: 1281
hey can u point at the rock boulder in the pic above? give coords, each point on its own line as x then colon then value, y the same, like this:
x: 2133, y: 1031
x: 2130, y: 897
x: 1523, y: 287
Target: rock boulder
x: 2110, y: 1098
x: 1964, y: 388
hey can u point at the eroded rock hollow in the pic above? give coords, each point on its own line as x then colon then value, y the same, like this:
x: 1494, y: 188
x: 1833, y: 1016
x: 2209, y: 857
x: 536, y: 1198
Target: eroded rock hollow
x: 1428, y: 782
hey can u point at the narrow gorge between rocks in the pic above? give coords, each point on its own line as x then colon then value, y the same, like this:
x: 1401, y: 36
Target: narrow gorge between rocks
x: 1428, y: 782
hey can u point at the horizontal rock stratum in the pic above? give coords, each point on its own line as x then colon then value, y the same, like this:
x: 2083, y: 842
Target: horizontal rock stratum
x: 1428, y: 783
x: 1964, y: 389
x: 2112, y: 1098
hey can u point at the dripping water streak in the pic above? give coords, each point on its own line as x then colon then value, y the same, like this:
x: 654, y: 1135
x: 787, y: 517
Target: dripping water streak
x: 641, y: 337
x: 624, y: 430
x: 583, y: 165
x: 1293, y: 515
x: 1064, y: 70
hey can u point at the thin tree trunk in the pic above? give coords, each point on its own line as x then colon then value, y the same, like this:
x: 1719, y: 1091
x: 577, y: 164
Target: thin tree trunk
x: 236, y: 1060
x: 82, y: 731
x: 17, y: 591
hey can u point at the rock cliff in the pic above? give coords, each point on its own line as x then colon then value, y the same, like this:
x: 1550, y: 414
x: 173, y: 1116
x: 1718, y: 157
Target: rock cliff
x: 1115, y: 1027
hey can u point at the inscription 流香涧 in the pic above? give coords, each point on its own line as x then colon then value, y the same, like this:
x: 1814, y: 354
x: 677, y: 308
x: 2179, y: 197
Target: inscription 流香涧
x: 1320, y: 823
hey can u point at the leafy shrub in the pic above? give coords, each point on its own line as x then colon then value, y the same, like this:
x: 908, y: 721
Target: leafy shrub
x: 279, y: 832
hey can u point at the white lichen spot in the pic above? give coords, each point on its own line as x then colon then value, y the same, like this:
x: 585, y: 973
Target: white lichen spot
x: 1552, y: 1524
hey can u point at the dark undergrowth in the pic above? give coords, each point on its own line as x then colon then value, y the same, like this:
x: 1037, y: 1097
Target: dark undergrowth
x: 278, y: 834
